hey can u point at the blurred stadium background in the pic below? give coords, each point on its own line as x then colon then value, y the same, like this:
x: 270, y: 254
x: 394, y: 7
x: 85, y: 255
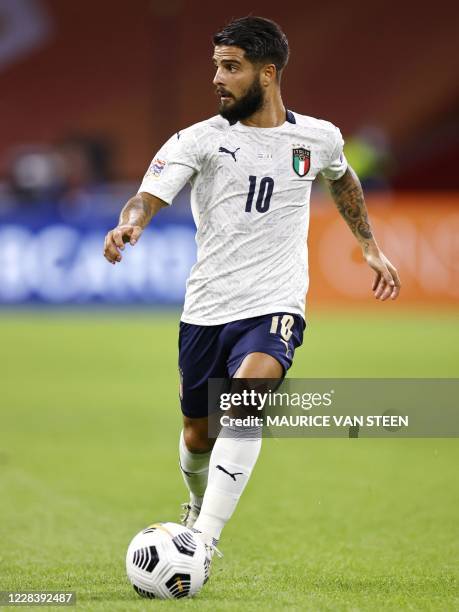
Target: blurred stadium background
x: 89, y: 90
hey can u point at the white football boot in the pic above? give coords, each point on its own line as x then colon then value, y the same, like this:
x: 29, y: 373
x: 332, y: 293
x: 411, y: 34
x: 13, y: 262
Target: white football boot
x: 211, y: 549
x: 190, y: 513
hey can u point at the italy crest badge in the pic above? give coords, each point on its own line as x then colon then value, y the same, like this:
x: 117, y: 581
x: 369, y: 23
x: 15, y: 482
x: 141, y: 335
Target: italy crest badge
x: 301, y: 160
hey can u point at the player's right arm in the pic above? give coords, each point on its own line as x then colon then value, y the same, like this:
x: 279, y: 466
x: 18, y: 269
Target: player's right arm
x: 173, y: 166
x: 134, y: 218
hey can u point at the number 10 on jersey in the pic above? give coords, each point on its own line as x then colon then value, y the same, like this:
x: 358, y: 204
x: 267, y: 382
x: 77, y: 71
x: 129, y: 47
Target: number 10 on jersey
x: 265, y: 191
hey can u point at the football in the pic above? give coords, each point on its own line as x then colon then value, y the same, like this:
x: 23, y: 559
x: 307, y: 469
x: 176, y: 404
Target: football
x: 167, y: 561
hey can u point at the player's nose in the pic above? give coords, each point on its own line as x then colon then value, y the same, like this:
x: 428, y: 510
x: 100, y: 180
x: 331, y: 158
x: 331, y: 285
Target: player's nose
x: 218, y: 79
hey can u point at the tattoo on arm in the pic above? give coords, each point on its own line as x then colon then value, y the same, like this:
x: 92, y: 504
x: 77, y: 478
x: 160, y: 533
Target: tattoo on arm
x: 139, y: 210
x: 348, y: 196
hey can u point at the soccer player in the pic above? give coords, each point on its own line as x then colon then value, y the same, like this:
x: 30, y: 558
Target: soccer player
x: 251, y: 169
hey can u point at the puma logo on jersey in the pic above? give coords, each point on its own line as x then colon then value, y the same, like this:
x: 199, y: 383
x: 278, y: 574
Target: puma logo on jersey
x: 233, y: 476
x: 232, y: 153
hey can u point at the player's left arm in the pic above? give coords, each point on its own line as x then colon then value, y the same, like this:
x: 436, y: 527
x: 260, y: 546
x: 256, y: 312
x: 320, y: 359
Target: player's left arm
x: 349, y: 199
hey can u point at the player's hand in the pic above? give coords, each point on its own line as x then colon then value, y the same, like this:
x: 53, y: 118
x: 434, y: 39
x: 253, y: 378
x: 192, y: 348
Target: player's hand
x: 387, y: 282
x: 117, y: 238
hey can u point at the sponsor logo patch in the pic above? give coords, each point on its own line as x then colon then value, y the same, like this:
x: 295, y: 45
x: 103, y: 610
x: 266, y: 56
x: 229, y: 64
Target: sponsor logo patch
x: 155, y: 169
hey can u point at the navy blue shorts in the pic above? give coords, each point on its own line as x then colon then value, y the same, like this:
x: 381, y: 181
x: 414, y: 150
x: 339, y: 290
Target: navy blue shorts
x: 217, y: 351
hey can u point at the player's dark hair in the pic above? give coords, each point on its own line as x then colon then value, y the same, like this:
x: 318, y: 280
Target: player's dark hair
x: 262, y: 40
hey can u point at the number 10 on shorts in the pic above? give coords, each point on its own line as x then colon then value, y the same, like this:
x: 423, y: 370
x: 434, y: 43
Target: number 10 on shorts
x: 286, y: 324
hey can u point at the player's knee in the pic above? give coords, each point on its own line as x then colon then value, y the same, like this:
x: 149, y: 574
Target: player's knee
x: 196, y: 436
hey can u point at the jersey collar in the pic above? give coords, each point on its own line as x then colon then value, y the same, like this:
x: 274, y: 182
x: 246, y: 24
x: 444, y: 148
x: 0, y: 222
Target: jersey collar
x: 289, y: 117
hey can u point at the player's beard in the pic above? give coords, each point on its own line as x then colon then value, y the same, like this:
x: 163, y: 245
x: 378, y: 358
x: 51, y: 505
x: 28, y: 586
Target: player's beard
x: 251, y: 102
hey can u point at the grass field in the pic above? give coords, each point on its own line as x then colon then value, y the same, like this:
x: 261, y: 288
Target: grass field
x: 88, y: 456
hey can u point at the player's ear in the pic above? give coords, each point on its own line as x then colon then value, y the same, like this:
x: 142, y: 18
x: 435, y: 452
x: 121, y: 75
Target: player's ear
x: 268, y: 74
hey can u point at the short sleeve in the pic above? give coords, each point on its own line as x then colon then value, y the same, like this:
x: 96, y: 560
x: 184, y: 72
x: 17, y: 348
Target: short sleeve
x: 173, y: 166
x: 337, y: 164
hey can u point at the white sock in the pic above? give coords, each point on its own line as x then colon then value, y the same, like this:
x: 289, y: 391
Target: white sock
x: 194, y: 468
x: 231, y: 463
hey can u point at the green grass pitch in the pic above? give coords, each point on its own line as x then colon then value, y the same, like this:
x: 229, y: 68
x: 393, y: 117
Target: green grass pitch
x: 88, y: 456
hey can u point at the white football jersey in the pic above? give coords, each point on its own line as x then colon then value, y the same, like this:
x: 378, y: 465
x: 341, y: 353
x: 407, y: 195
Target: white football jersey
x: 250, y: 190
